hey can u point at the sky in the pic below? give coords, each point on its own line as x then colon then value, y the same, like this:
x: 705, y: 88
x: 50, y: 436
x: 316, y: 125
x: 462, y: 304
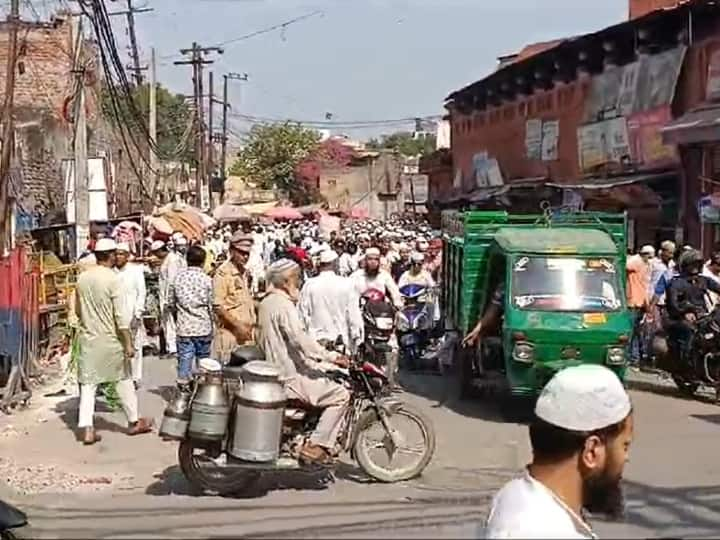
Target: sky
x: 358, y: 60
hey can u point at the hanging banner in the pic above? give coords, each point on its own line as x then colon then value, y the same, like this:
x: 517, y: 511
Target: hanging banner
x: 709, y: 208
x: 640, y: 86
x: 550, y: 134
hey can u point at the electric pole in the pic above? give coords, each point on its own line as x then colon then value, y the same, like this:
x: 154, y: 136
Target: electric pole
x: 197, y: 61
x: 226, y: 106
x: 13, y: 20
x: 211, y: 144
x: 152, y: 123
x: 134, y: 52
x: 80, y: 161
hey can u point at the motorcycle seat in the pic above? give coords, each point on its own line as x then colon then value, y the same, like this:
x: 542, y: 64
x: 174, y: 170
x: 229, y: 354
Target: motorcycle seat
x: 244, y: 354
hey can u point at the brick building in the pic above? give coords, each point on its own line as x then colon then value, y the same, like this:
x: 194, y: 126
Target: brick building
x: 43, y: 135
x: 580, y: 121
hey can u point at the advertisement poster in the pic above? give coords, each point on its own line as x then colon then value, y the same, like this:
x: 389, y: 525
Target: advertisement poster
x: 603, y: 142
x: 550, y: 135
x: 648, y: 150
x: 533, y: 138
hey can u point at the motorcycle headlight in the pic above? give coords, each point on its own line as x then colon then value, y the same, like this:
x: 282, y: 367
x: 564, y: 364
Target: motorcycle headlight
x: 403, y: 325
x: 616, y: 356
x: 384, y: 323
x: 524, y: 352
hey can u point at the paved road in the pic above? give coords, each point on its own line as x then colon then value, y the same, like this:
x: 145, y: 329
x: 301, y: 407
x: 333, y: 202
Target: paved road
x: 131, y: 488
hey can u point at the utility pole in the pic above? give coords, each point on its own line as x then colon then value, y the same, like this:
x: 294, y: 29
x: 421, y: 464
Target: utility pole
x: 134, y: 52
x: 152, y: 123
x: 211, y: 144
x: 80, y: 161
x: 226, y: 106
x: 197, y: 61
x: 13, y: 20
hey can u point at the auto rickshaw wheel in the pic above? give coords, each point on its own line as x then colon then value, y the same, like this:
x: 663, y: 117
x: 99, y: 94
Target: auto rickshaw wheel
x: 464, y: 370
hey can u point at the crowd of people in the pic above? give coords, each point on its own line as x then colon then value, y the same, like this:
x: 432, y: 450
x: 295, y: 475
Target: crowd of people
x: 287, y: 288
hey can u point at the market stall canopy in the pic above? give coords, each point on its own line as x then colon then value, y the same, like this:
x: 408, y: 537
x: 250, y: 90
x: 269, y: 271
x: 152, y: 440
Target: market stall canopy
x: 159, y: 225
x: 231, y: 212
x: 283, y: 212
x: 185, y: 219
x: 359, y: 212
x: 698, y: 126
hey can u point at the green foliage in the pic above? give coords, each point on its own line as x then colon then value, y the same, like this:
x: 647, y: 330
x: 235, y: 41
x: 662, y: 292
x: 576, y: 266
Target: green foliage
x: 173, y: 116
x: 404, y: 143
x: 272, y: 154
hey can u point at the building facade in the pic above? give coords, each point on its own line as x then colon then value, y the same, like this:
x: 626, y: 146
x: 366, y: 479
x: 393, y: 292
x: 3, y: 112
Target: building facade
x: 580, y: 122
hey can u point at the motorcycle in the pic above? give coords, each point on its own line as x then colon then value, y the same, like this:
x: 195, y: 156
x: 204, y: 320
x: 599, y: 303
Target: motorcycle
x: 12, y: 520
x: 379, y: 324
x: 219, y: 467
x: 414, y: 324
x: 701, y: 366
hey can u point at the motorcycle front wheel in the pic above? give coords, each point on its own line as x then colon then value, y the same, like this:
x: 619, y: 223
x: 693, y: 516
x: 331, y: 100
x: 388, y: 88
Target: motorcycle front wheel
x: 686, y: 388
x: 204, y: 473
x: 376, y: 454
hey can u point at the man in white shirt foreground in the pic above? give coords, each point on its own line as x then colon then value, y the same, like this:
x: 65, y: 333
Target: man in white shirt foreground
x: 580, y: 438
x: 132, y: 278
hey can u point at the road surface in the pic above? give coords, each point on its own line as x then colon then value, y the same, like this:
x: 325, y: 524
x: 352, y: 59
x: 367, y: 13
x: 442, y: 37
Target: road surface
x: 131, y: 487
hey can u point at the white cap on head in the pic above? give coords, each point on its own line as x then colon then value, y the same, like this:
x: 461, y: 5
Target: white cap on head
x: 372, y: 252
x: 648, y: 250
x: 181, y: 241
x: 328, y: 256
x: 123, y: 246
x: 583, y: 398
x: 156, y: 245
x: 105, y: 244
x: 417, y: 257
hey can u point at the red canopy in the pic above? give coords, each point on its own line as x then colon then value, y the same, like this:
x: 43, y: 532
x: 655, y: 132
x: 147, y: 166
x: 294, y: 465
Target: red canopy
x: 283, y: 212
x: 358, y: 212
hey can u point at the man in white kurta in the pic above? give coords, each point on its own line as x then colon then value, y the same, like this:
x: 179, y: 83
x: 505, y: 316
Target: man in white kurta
x: 132, y: 278
x: 170, y: 266
x: 330, y: 306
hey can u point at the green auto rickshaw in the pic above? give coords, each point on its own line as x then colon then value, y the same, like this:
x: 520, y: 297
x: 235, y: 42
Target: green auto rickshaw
x: 557, y: 284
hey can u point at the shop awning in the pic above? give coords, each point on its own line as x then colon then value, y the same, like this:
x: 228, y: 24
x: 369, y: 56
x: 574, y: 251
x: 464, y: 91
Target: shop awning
x: 615, y: 181
x: 698, y: 126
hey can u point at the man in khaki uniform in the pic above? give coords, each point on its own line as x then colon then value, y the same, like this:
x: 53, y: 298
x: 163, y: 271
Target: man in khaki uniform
x: 233, y: 301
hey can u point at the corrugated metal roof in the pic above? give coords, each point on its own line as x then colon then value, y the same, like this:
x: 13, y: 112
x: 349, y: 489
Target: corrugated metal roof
x: 556, y: 240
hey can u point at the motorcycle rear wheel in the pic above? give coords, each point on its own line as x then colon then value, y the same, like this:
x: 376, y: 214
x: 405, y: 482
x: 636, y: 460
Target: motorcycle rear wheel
x: 379, y: 472
x: 220, y: 483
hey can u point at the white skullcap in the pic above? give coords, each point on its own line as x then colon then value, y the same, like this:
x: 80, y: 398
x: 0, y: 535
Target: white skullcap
x: 648, y: 249
x: 328, y: 256
x: 281, y: 266
x: 123, y: 246
x: 417, y: 257
x: 157, y: 245
x: 181, y: 241
x: 105, y: 244
x: 583, y: 398
x: 372, y: 252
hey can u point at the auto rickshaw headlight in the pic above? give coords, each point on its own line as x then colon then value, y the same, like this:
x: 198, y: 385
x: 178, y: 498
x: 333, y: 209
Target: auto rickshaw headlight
x: 616, y: 356
x: 524, y: 352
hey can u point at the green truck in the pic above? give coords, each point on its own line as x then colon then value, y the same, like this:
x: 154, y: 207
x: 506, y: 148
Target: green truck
x: 559, y: 281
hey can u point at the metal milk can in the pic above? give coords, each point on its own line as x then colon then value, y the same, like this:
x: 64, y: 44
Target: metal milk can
x: 176, y: 417
x: 259, y: 409
x: 209, y: 411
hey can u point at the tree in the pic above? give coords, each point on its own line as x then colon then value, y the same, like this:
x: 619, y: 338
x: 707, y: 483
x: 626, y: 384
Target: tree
x: 173, y: 118
x: 272, y: 155
x: 404, y: 143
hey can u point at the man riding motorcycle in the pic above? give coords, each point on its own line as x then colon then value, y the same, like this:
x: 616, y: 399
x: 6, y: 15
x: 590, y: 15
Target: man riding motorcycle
x: 687, y: 300
x: 302, y: 361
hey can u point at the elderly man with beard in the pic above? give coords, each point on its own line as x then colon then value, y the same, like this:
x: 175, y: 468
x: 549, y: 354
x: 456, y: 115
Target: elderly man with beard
x: 580, y: 439
x: 302, y: 361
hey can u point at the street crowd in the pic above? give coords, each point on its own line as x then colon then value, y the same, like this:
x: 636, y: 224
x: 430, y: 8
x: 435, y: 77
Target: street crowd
x: 287, y: 288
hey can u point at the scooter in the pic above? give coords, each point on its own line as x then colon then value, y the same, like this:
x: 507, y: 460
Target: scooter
x: 414, y: 324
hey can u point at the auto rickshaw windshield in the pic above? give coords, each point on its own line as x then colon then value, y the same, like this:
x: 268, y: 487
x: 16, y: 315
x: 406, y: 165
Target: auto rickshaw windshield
x: 565, y: 284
